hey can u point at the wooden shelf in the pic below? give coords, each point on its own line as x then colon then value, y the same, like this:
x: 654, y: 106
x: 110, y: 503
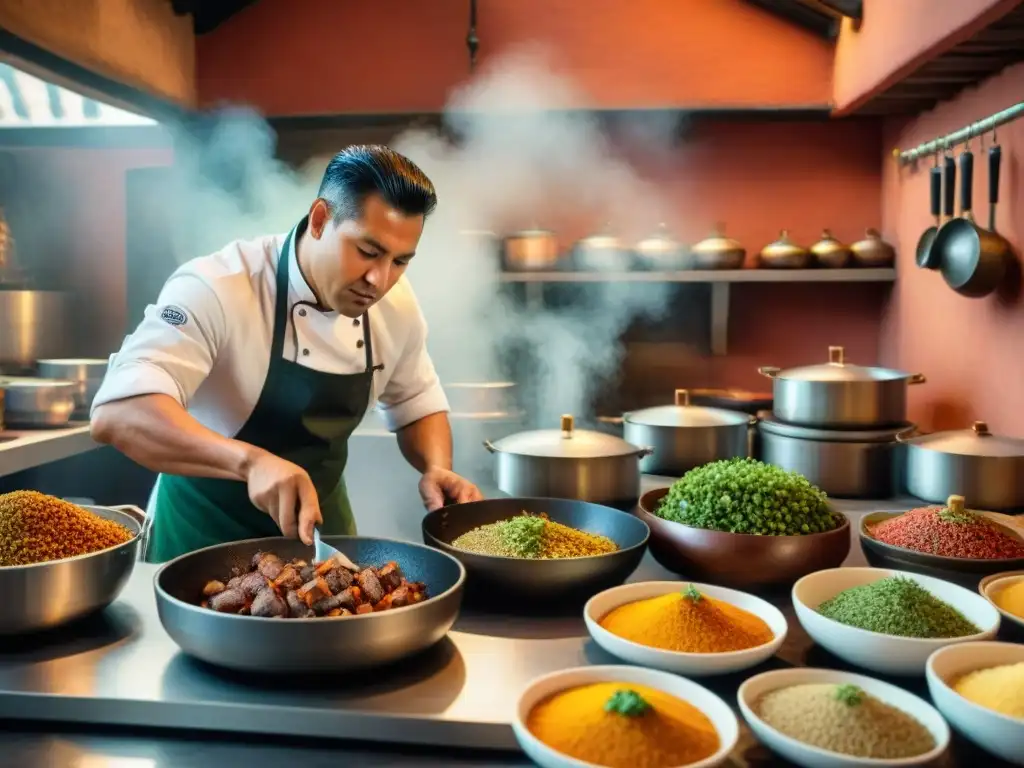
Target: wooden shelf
x: 720, y: 281
x: 710, y: 276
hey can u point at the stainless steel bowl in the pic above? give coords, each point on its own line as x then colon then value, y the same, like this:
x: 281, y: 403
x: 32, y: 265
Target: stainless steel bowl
x: 31, y: 403
x: 86, y: 373
x: 341, y: 644
x: 47, y: 595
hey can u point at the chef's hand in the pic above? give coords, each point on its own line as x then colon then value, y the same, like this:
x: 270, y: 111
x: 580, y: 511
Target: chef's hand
x: 438, y: 486
x: 284, y: 491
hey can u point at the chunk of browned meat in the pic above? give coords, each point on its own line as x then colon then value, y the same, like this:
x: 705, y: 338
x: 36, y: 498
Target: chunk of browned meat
x: 252, y: 583
x: 289, y: 578
x: 254, y: 562
x: 296, y: 608
x: 228, y: 601
x: 370, y: 584
x: 390, y: 576
x: 348, y: 598
x: 235, y: 582
x: 268, y: 603
x: 308, y: 573
x: 339, y: 579
x: 213, y: 587
x: 328, y: 604
x: 270, y: 566
x: 401, y: 596
x: 314, y: 591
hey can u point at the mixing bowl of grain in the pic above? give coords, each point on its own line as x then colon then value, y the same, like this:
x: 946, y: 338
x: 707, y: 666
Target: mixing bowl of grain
x: 61, y: 561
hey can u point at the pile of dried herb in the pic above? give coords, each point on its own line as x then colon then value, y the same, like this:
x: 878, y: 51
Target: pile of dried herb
x: 899, y: 606
x: 532, y: 537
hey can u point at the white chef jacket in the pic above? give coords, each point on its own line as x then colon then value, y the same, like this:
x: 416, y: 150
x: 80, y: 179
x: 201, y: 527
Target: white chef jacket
x: 206, y: 342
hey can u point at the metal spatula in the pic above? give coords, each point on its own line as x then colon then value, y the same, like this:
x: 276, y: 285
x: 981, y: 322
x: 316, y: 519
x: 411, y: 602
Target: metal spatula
x: 325, y: 552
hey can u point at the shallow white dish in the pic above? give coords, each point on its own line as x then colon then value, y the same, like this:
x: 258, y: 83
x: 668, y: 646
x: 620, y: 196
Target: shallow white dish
x: 991, y: 585
x: 998, y: 734
x: 814, y: 757
x: 720, y: 714
x: 693, y: 664
x: 888, y: 654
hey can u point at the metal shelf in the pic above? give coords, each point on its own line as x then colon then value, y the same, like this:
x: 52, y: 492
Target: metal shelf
x: 709, y: 276
x: 720, y: 280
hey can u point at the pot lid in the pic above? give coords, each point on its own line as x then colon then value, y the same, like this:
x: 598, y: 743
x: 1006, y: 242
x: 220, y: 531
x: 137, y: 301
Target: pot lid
x: 566, y: 443
x: 717, y: 242
x: 601, y: 240
x: 30, y: 382
x: 827, y: 244
x: 682, y: 414
x: 837, y: 369
x: 772, y: 426
x: 660, y: 241
x: 535, y: 232
x: 976, y: 441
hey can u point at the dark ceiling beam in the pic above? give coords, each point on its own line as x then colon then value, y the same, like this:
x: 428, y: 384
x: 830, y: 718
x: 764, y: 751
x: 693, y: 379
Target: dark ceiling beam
x: 851, y: 9
x: 207, y: 15
x: 796, y: 12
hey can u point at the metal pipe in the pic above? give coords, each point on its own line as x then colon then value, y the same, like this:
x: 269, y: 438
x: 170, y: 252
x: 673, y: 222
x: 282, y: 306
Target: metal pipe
x: 950, y: 140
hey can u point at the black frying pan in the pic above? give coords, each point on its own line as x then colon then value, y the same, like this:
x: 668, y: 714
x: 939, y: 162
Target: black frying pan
x: 924, y: 244
x: 973, y: 260
x: 540, y: 581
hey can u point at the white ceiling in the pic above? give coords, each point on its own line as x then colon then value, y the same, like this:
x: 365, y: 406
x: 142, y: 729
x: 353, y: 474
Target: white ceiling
x: 28, y: 102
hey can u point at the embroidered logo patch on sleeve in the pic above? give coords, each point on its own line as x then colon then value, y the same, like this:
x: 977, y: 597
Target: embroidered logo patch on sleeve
x: 173, y: 315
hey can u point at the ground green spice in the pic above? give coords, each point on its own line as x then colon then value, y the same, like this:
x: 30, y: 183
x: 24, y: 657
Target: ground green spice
x: 897, y: 606
x: 533, y: 537
x: 627, y: 702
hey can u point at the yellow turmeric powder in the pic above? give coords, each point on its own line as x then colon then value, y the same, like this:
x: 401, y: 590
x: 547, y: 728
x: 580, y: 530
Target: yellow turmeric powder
x: 688, y: 622
x: 623, y: 725
x: 1011, y: 598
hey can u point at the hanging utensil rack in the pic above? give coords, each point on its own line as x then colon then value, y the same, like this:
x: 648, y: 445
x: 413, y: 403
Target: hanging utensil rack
x: 950, y: 140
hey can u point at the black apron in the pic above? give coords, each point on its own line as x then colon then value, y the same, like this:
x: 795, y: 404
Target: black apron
x: 303, y: 416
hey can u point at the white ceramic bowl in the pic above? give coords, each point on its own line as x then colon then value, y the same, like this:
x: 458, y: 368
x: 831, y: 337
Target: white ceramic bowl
x: 990, y: 586
x: 813, y: 757
x: 888, y: 654
x: 1001, y: 735
x: 720, y: 714
x: 693, y: 664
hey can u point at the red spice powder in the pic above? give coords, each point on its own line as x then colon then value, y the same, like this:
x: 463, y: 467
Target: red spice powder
x: 963, y: 535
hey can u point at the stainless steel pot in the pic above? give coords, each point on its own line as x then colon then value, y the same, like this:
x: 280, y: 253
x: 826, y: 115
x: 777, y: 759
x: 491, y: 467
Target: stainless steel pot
x: 602, y: 252
x: 47, y: 595
x: 483, y: 398
x: 569, y: 464
x: 660, y: 250
x: 840, y: 395
x: 843, y: 463
x: 86, y: 373
x: 33, y: 325
x: 685, y: 436
x: 32, y: 403
x: 985, y: 468
x: 531, y: 249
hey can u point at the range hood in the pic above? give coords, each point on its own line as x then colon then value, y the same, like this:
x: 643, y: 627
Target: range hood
x: 28, y: 102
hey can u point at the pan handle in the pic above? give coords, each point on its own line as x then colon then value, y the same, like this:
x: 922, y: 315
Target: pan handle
x: 490, y: 446
x: 770, y: 371
x: 949, y: 187
x: 645, y: 450
x: 917, y: 378
x: 935, y: 180
x: 905, y: 434
x: 966, y: 183
x: 995, y: 158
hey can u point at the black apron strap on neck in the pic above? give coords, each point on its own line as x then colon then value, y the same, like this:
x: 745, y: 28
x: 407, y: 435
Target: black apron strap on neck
x: 368, y: 343
x: 281, y: 300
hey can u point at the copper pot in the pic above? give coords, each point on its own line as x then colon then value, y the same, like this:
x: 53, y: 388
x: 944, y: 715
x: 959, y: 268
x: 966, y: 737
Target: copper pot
x: 873, y: 251
x: 829, y: 252
x: 531, y: 249
x: 784, y: 254
x: 717, y: 252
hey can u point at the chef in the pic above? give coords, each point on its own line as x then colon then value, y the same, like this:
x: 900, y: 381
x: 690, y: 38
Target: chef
x: 243, y: 383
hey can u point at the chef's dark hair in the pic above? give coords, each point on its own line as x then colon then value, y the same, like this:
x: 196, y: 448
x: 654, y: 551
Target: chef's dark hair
x: 362, y: 170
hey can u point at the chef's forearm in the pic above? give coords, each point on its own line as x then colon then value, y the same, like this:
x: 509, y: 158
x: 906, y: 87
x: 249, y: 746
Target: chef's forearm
x: 427, y: 443
x: 156, y: 432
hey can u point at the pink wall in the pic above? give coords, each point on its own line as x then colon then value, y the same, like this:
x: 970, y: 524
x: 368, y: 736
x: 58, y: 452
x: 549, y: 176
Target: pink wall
x: 897, y: 36
x: 969, y: 348
x: 303, y: 57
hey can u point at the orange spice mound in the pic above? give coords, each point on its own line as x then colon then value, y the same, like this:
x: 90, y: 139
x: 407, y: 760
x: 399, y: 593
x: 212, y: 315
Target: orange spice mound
x: 35, y: 528
x: 688, y: 622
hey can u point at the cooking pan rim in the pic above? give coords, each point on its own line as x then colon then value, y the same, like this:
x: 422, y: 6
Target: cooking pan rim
x: 537, y: 560
x: 453, y: 590
x: 135, y: 528
x: 865, y: 534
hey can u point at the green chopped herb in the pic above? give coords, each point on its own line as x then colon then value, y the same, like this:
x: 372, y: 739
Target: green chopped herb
x: 959, y: 516
x: 627, y: 703
x: 850, y: 695
x: 523, y: 535
x: 692, y: 593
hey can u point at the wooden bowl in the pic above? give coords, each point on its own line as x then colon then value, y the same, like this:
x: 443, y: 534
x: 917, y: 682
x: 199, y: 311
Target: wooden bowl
x: 967, y: 572
x: 740, y: 560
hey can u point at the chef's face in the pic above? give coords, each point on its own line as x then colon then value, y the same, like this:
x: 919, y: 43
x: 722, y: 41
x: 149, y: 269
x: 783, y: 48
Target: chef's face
x: 354, y: 262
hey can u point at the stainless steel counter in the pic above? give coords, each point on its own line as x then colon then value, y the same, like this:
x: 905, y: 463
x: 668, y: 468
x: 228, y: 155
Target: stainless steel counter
x: 21, y: 450
x: 121, y: 670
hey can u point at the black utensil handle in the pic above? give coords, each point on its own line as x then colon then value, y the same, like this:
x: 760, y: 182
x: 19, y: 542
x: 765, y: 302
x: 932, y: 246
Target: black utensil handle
x: 949, y: 186
x: 966, y: 180
x: 995, y: 159
x: 936, y: 190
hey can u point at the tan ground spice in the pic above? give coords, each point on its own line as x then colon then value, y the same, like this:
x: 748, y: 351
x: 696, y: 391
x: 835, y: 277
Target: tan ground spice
x: 35, y: 528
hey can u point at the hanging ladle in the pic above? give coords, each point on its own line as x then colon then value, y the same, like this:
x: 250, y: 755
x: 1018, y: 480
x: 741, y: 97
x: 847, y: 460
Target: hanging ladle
x: 973, y: 260
x: 924, y: 243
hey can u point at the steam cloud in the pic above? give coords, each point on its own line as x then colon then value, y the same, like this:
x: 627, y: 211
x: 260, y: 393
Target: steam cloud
x: 524, y: 157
